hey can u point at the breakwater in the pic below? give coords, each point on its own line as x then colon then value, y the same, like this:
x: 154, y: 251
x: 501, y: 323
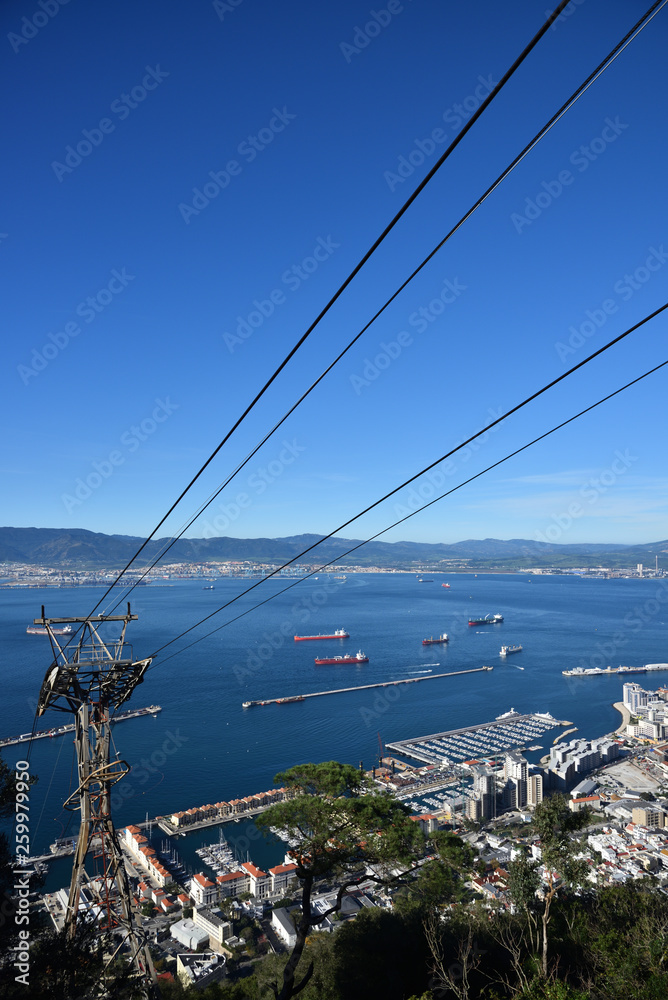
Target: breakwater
x: 361, y: 687
x: 131, y: 713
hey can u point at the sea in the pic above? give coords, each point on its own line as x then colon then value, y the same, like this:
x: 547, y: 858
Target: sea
x: 204, y: 747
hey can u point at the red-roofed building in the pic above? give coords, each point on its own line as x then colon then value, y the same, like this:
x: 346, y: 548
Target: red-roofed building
x: 260, y: 882
x: 281, y: 876
x: 202, y: 891
x: 232, y: 884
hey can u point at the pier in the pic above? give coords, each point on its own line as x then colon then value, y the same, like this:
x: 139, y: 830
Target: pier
x: 132, y: 713
x: 362, y: 687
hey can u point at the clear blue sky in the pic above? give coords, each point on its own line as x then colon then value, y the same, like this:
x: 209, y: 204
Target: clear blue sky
x: 228, y: 165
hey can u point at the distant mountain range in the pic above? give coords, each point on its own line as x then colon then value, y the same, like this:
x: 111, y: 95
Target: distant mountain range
x: 77, y: 548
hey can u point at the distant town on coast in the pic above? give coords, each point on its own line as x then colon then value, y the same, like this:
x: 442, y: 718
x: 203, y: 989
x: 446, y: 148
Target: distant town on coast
x: 71, y: 557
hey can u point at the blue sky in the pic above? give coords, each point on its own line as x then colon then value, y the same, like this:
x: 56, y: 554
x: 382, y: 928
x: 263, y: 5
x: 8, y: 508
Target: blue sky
x: 188, y: 184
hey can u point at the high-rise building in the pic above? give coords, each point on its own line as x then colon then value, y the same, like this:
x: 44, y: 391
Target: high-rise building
x: 515, y: 771
x: 534, y: 789
x: 484, y: 786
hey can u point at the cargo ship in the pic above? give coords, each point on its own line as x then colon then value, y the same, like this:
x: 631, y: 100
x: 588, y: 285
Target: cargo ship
x: 339, y: 661
x: 435, y: 642
x: 487, y: 620
x: 42, y: 630
x: 339, y: 634
x: 599, y: 671
x: 445, y: 585
x: 506, y: 650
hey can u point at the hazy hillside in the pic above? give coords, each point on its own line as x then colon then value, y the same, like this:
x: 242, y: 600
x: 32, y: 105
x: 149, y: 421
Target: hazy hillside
x: 76, y: 547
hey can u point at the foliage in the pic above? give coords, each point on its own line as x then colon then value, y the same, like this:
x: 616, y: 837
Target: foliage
x: 555, y: 822
x: 550, y: 989
x: 344, y: 830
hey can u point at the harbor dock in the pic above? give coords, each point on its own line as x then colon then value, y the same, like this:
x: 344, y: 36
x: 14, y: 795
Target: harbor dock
x: 132, y: 713
x: 361, y: 687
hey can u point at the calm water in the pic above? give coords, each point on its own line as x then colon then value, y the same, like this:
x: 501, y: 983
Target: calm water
x: 204, y: 747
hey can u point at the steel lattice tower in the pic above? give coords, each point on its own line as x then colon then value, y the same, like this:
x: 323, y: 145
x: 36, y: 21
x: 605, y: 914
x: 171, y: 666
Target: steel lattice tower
x: 90, y: 680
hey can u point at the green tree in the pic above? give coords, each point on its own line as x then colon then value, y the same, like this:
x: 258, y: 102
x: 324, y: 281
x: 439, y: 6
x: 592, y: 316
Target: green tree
x: 555, y: 823
x: 523, y: 884
x: 345, y: 832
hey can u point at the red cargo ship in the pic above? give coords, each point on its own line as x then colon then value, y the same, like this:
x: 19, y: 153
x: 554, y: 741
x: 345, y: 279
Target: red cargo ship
x: 339, y: 634
x: 339, y: 661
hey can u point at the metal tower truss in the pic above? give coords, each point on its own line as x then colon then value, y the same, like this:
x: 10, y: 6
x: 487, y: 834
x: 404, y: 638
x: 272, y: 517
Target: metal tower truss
x: 90, y: 678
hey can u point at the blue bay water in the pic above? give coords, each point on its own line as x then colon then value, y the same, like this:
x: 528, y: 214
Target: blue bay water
x: 204, y: 747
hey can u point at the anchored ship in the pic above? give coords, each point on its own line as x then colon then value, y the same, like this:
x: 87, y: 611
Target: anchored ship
x: 342, y: 660
x: 487, y: 620
x: 339, y: 634
x: 505, y: 650
x: 435, y: 642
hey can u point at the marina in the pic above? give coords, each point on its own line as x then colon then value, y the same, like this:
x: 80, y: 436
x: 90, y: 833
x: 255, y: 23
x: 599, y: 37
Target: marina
x: 510, y: 731
x: 362, y: 687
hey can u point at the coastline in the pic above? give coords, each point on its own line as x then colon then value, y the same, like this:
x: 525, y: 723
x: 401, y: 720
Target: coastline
x: 626, y: 717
